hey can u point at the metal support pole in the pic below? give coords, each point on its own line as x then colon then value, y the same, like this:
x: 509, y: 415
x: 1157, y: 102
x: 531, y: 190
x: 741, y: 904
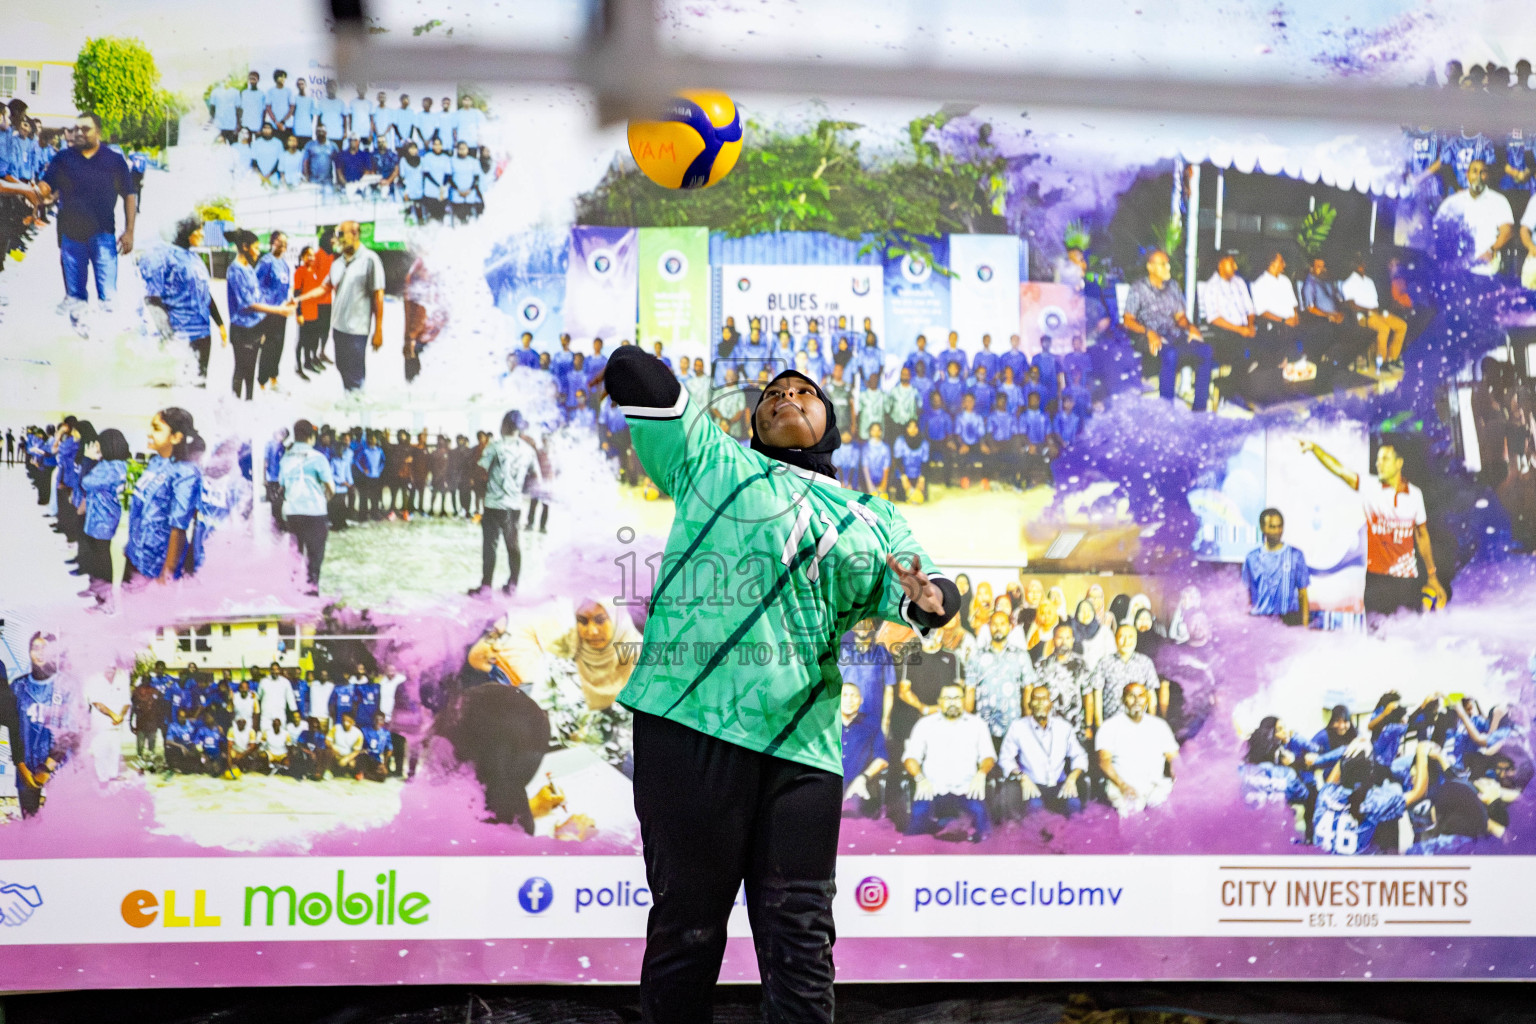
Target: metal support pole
x: 1221, y: 198
x: 1192, y: 243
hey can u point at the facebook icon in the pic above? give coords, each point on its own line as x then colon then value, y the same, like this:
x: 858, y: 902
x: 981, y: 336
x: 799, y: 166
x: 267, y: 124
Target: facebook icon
x: 536, y: 895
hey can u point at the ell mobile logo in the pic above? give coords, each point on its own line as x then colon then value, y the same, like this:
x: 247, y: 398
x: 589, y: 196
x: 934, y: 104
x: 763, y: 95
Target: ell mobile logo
x: 273, y: 905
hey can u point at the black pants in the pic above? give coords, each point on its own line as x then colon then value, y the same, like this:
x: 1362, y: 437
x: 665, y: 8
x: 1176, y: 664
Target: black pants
x: 337, y: 508
x: 712, y: 816
x: 499, y: 525
x: 68, y: 519
x: 44, y: 480
x: 96, y: 558
x: 311, y: 334
x: 310, y: 533
x: 274, y: 330
x: 202, y: 346
x: 247, y: 345
x: 533, y: 504
x: 325, y: 329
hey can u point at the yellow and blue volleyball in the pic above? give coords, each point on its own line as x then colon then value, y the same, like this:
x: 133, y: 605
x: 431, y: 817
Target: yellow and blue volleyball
x: 695, y: 144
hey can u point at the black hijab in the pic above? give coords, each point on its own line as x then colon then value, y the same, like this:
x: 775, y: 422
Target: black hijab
x: 818, y: 457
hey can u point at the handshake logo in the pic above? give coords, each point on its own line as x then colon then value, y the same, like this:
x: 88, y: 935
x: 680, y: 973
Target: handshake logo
x: 18, y: 903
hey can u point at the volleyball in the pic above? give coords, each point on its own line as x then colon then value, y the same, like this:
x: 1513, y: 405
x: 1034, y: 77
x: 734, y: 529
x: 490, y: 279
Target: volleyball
x: 694, y: 145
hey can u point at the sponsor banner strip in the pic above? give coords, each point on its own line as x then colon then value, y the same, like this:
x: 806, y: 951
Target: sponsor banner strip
x: 495, y: 898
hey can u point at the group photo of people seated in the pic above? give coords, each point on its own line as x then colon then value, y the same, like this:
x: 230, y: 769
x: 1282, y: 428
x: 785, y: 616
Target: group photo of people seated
x: 303, y: 725
x: 1026, y: 702
x: 434, y: 161
x: 1432, y: 776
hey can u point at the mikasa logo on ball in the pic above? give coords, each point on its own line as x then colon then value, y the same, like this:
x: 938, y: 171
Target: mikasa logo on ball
x: 600, y: 262
x: 744, y: 284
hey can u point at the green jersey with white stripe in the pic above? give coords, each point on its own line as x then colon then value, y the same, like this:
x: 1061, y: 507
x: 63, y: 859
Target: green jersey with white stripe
x: 766, y: 567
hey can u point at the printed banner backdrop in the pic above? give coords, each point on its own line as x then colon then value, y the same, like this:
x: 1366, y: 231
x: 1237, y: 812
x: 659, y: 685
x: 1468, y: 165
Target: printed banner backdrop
x: 674, y: 289
x: 183, y: 801
x: 916, y: 299
x: 1047, y: 310
x: 802, y: 293
x: 984, y: 294
x: 1322, y: 515
x: 601, y: 285
x: 527, y: 278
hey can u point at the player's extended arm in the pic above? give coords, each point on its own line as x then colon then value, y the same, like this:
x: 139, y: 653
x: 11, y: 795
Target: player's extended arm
x: 1332, y: 464
x: 637, y: 379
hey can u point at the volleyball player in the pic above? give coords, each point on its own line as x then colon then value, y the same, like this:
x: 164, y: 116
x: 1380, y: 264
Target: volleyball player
x: 737, y: 772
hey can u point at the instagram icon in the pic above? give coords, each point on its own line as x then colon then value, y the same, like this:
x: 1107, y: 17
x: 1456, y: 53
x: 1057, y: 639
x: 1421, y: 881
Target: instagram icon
x: 871, y: 894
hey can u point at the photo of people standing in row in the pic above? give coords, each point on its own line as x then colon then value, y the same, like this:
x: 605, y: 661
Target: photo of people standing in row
x: 321, y: 480
x: 136, y: 518
x: 432, y: 161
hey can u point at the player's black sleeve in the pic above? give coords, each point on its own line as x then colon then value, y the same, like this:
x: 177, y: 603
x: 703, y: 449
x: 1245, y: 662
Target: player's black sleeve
x: 638, y: 379
x: 926, y: 618
x: 213, y: 312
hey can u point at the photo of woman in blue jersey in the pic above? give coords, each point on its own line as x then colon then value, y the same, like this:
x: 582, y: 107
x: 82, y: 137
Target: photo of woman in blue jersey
x: 247, y: 310
x: 164, y: 501
x: 39, y: 745
x: 102, y: 497
x: 183, y: 291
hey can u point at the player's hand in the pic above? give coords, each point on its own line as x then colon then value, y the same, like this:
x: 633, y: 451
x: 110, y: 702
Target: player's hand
x: 978, y: 787
x: 1028, y: 789
x: 378, y: 338
x: 858, y: 788
x: 125, y: 243
x: 919, y: 589
x: 1438, y: 591
x: 1128, y: 791
x: 17, y: 902
x: 1154, y: 341
x: 923, y: 790
x: 1306, y: 446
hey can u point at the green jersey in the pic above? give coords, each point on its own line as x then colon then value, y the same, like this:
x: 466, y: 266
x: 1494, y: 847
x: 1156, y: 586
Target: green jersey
x: 766, y: 567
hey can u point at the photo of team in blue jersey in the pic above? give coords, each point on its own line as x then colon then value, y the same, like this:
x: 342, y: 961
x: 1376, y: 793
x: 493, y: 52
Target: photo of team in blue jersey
x: 279, y: 721
x: 1430, y: 775
x: 315, y: 134
x: 992, y: 420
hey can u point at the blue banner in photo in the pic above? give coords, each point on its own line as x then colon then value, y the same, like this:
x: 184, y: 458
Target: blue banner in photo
x: 985, y: 288
x: 602, y: 285
x: 526, y: 274
x: 916, y: 299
